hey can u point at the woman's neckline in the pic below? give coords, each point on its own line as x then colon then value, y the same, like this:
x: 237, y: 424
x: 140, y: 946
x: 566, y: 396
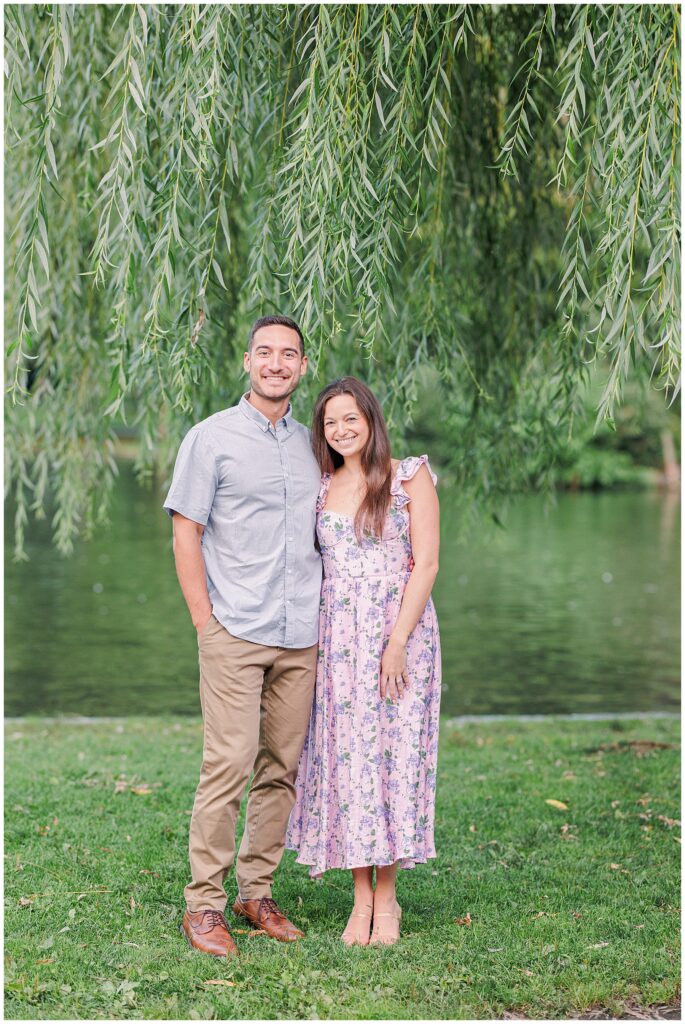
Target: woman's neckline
x: 346, y: 515
x: 331, y: 512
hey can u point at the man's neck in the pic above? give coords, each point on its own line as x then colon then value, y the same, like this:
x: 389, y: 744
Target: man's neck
x: 273, y: 411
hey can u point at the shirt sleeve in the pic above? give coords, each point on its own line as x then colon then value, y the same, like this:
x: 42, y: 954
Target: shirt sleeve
x: 195, y: 479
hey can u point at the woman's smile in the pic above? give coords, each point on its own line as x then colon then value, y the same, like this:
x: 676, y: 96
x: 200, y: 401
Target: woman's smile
x: 343, y: 413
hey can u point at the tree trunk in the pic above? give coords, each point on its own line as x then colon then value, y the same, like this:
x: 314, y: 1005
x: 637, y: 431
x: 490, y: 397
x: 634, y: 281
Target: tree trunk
x: 671, y: 467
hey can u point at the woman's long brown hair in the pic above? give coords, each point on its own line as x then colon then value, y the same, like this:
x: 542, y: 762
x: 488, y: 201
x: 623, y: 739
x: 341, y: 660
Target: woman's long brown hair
x: 376, y: 462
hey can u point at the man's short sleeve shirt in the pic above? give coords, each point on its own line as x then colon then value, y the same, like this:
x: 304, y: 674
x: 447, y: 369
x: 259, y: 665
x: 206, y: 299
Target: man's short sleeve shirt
x: 254, y: 487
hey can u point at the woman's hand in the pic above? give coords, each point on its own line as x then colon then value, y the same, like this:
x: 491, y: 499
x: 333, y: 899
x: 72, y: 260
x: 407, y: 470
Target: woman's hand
x: 394, y: 681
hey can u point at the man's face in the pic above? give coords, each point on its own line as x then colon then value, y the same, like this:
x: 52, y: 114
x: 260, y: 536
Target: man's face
x: 274, y: 362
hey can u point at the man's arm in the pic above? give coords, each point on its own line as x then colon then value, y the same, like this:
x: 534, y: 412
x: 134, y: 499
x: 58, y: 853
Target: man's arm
x: 190, y: 569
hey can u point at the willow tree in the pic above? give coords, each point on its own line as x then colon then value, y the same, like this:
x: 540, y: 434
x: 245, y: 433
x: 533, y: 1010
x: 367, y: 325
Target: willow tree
x: 489, y: 190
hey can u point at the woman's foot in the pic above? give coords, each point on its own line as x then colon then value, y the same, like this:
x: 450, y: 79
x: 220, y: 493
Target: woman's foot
x: 358, y: 926
x: 386, y: 924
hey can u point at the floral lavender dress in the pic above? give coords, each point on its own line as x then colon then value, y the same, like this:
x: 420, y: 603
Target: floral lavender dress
x: 366, y: 778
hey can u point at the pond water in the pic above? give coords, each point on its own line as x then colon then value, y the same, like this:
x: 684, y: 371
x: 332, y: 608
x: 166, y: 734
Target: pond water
x: 574, y: 608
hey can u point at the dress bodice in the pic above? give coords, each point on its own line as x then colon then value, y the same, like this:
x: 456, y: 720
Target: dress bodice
x: 343, y: 556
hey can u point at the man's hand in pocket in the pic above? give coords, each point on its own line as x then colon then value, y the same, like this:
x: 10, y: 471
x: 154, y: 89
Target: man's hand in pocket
x: 202, y: 624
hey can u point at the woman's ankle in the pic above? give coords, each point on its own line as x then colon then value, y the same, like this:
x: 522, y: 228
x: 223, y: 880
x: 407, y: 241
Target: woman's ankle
x: 386, y: 900
x: 363, y: 887
x: 363, y: 900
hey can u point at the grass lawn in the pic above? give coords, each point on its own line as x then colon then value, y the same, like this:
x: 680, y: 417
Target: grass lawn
x: 530, y: 908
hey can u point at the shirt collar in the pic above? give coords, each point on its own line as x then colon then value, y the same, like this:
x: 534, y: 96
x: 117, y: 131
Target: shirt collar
x: 260, y: 419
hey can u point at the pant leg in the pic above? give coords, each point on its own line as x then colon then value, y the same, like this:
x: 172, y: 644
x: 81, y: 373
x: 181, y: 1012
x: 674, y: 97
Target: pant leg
x: 285, y: 709
x: 231, y: 681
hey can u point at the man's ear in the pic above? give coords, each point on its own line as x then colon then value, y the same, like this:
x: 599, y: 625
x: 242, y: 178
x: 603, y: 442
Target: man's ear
x: 246, y: 362
x: 303, y: 366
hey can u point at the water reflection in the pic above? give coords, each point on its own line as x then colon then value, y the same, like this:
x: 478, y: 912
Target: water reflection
x: 575, y: 608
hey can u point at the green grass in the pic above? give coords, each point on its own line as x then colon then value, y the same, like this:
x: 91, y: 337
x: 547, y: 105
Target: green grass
x: 568, y: 909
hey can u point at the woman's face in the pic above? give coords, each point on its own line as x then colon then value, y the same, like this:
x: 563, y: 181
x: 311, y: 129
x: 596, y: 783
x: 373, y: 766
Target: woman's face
x: 345, y: 428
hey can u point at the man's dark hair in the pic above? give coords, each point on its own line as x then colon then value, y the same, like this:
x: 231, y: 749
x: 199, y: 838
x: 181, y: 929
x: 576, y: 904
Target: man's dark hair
x: 281, y: 321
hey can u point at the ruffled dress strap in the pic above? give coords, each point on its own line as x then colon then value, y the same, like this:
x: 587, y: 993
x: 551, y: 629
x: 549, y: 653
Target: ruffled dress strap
x: 323, y: 491
x: 408, y: 468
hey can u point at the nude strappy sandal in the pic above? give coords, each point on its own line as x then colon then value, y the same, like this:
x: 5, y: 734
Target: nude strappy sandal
x: 365, y: 916
x: 390, y: 940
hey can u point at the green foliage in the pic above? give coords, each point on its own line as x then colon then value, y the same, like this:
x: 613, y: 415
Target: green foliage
x: 492, y: 190
x: 626, y: 451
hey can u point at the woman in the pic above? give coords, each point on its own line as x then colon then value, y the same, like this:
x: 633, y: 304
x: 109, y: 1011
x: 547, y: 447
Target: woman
x: 366, y: 779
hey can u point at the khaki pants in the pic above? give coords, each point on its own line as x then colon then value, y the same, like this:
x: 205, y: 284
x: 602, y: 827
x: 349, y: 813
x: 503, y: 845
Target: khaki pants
x: 256, y: 702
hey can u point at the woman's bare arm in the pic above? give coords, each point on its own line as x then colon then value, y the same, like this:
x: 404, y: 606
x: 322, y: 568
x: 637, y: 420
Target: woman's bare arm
x: 424, y: 520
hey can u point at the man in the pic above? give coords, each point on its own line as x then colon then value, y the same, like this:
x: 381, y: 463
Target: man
x: 243, y: 501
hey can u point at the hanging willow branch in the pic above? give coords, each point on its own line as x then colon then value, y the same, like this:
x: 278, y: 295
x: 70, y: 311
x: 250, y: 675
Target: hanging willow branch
x: 638, y: 298
x: 32, y: 258
x: 488, y: 190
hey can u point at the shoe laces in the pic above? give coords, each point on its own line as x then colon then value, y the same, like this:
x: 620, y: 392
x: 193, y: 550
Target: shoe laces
x: 216, y: 919
x: 269, y: 906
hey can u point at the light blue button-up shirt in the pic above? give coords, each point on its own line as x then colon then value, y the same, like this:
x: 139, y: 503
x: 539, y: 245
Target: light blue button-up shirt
x: 254, y: 487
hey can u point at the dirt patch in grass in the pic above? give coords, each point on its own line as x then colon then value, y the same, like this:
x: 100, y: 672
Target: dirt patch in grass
x: 631, y: 1011
x: 638, y: 747
x: 660, y: 1011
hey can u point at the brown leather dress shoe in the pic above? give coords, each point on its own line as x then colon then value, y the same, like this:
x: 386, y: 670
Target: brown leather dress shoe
x: 208, y: 931
x: 264, y: 913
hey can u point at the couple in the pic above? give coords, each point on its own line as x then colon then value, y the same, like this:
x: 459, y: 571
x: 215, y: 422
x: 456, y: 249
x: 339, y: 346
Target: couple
x: 329, y: 691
